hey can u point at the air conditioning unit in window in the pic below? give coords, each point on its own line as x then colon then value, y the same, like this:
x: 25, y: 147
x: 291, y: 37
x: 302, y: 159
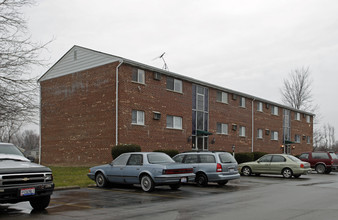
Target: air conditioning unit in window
x: 267, y: 131
x: 157, y: 115
x: 157, y: 76
x: 267, y: 105
x: 234, y: 96
x: 234, y: 127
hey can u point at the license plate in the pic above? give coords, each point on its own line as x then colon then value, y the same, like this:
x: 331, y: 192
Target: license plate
x: 184, y: 180
x: 231, y: 170
x: 27, y: 192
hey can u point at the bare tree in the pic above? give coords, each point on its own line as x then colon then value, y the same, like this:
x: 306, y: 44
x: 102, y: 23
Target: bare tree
x: 9, y: 130
x: 297, y: 91
x: 18, y: 54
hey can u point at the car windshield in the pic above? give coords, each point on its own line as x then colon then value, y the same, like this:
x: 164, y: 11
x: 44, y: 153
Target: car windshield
x: 295, y: 159
x: 227, y: 158
x: 159, y: 158
x: 10, y: 149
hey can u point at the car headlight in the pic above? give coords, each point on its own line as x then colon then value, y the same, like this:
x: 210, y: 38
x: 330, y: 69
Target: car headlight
x: 49, y: 177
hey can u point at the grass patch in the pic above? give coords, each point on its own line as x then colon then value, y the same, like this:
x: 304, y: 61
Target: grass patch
x: 71, y: 176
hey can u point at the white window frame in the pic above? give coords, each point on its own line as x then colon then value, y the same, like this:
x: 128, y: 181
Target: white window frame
x: 139, y: 117
x: 308, y: 119
x: 260, y: 133
x: 140, y: 76
x: 297, y: 116
x: 242, y: 131
x: 274, y: 135
x: 224, y: 97
x: 260, y: 106
x: 308, y: 140
x: 274, y: 110
x: 224, y: 128
x: 176, y: 122
x: 242, y: 102
x: 178, y: 85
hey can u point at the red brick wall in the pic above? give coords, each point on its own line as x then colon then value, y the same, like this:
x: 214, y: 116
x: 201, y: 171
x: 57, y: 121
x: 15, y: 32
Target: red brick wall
x: 149, y: 97
x: 78, y: 118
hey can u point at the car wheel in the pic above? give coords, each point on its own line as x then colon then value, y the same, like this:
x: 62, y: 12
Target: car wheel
x: 246, y: 171
x: 222, y: 183
x: 320, y: 168
x: 297, y: 176
x: 287, y: 173
x: 175, y: 186
x: 201, y: 179
x: 40, y: 203
x: 100, y: 180
x: 147, y: 183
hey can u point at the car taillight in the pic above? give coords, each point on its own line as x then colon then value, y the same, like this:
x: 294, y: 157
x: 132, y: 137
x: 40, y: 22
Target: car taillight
x: 219, y: 168
x: 178, y: 171
x: 301, y: 165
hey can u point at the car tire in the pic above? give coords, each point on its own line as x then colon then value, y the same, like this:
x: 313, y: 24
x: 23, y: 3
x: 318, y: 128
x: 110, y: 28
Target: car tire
x: 40, y: 203
x: 147, y: 183
x: 201, y: 179
x: 222, y: 183
x: 297, y: 176
x: 287, y: 173
x: 100, y: 180
x: 175, y: 186
x: 320, y: 168
x: 246, y: 171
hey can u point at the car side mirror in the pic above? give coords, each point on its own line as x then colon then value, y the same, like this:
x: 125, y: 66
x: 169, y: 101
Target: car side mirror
x: 32, y: 159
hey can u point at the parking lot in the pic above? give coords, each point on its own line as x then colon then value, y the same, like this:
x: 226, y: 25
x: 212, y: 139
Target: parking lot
x: 265, y: 197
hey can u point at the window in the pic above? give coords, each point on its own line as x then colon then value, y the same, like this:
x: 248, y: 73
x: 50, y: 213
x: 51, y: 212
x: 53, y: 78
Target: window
x: 297, y: 138
x: 174, y: 84
x: 260, y: 106
x: 135, y: 159
x: 308, y: 140
x: 191, y: 159
x: 304, y: 156
x: 317, y: 155
x: 174, y: 122
x: 137, y: 117
x: 241, y: 131
x: 274, y: 110
x: 179, y: 158
x: 138, y: 76
x: 278, y: 159
x: 242, y: 102
x: 260, y: 133
x: 265, y: 159
x: 121, y: 160
x: 274, y: 135
x: 205, y: 158
x: 308, y: 119
x: 297, y: 116
x: 222, y: 97
x: 222, y: 128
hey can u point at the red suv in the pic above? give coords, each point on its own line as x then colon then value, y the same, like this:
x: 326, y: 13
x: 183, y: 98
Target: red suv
x: 322, y: 162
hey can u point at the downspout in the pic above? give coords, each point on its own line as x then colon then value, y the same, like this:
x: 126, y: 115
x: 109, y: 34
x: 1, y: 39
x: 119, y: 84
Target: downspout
x: 40, y: 128
x: 117, y: 103
x: 252, y: 125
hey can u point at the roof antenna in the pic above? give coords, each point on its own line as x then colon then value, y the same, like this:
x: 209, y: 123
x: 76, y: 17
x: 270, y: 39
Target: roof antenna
x: 165, y: 66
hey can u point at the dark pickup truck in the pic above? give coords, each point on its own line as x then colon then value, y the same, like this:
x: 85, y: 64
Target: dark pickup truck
x: 22, y: 180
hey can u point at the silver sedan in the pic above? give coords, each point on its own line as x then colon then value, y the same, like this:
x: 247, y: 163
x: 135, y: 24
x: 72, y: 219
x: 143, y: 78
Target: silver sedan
x: 146, y: 168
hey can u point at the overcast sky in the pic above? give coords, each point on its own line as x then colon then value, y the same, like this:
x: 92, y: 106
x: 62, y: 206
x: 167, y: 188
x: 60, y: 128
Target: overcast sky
x: 249, y: 46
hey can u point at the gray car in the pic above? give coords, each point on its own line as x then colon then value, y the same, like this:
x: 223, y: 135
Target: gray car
x: 146, y: 168
x: 209, y: 166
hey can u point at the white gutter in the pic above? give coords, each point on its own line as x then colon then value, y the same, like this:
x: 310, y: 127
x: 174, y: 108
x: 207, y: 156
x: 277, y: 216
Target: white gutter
x: 117, y: 104
x: 40, y: 129
x: 252, y: 125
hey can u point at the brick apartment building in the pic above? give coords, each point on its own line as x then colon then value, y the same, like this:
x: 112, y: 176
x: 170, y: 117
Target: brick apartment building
x: 85, y: 112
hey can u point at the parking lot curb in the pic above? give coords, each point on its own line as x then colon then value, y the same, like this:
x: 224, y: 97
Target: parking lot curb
x: 66, y: 188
